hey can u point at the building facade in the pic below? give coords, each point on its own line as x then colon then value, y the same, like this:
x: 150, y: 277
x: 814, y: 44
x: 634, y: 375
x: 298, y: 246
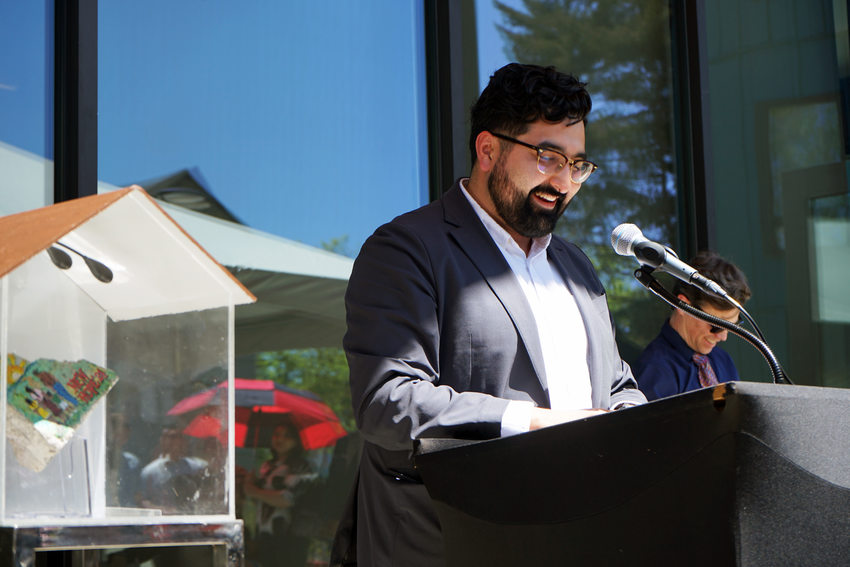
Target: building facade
x: 719, y: 125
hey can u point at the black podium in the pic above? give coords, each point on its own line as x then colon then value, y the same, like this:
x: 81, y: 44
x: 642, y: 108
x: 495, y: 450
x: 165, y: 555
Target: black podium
x: 740, y: 474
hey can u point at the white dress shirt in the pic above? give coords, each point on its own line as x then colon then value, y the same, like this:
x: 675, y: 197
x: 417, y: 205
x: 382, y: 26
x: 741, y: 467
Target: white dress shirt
x: 563, y: 338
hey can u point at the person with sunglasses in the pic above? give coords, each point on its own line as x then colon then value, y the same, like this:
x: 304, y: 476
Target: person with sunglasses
x: 685, y: 355
x: 468, y: 318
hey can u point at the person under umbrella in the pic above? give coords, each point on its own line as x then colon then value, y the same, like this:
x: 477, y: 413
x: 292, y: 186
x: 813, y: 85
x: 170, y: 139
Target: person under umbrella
x: 276, y: 488
x: 258, y: 404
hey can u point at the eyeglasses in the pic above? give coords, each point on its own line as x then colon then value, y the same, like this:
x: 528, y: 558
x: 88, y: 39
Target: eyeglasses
x: 62, y: 260
x: 715, y: 329
x: 550, y: 162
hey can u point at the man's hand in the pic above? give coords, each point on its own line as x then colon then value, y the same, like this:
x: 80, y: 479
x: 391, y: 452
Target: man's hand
x: 542, y: 417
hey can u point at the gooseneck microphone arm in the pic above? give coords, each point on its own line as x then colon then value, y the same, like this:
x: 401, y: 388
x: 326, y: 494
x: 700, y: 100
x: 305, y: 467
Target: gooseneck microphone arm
x: 628, y: 240
x: 729, y: 299
x: 644, y: 276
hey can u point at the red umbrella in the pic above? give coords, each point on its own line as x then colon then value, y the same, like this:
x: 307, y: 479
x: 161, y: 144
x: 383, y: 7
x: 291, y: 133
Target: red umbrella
x: 260, y: 405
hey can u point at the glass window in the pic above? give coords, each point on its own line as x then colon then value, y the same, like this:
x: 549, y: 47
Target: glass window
x: 622, y: 50
x: 297, y: 128
x: 303, y: 121
x: 26, y: 105
x: 777, y: 85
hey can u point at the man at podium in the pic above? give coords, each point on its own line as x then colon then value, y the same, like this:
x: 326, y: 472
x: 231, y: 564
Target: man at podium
x: 468, y: 319
x: 685, y: 355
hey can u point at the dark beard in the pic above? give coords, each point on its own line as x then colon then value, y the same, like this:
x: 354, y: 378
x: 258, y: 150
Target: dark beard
x: 517, y: 211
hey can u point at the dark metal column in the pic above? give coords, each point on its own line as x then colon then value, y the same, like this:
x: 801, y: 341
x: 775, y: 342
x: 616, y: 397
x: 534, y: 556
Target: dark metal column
x: 696, y: 206
x: 451, y: 55
x: 75, y: 99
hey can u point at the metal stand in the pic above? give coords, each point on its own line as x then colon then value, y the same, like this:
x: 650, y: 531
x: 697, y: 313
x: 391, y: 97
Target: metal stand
x: 644, y: 276
x: 219, y: 544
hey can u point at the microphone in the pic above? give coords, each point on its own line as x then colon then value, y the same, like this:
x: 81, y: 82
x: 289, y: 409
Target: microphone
x: 628, y: 240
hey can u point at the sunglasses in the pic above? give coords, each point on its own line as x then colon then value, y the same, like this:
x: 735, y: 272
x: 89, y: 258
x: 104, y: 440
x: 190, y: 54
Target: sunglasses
x: 714, y: 329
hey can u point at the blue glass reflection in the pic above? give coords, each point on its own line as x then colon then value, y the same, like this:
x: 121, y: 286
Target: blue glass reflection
x: 306, y: 120
x: 26, y: 76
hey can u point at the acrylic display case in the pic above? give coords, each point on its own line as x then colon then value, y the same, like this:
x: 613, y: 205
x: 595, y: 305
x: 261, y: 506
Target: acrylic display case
x: 112, y: 281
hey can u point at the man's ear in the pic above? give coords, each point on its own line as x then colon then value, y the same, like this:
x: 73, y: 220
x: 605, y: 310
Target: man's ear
x: 487, y: 149
x: 684, y: 298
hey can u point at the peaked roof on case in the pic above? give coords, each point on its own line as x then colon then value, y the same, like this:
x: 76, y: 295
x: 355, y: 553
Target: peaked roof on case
x: 23, y: 235
x: 158, y: 268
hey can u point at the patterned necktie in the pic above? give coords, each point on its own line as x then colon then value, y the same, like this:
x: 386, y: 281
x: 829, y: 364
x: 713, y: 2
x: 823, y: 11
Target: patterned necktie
x: 707, y: 377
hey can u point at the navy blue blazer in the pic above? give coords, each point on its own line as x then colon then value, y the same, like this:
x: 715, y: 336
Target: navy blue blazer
x: 666, y: 366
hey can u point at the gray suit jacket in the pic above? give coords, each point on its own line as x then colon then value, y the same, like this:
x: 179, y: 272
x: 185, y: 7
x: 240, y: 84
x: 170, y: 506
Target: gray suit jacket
x: 440, y: 338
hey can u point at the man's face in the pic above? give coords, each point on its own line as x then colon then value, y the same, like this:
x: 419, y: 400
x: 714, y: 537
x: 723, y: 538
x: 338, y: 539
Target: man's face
x: 697, y: 333
x: 527, y: 201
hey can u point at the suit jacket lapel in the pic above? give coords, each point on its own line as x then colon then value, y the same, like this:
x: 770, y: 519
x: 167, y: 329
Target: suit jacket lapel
x: 476, y: 242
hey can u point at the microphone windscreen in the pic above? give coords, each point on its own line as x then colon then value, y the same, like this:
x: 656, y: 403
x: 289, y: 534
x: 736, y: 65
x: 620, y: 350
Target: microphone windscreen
x: 624, y: 237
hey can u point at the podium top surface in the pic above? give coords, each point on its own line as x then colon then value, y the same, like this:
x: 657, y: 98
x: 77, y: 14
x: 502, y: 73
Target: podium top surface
x: 754, y: 394
x: 633, y: 449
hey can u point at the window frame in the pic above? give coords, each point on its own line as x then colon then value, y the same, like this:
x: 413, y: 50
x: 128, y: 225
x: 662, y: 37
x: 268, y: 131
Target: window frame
x: 75, y: 99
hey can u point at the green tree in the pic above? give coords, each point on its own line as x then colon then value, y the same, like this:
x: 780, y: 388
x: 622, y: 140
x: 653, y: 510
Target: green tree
x: 322, y: 371
x: 621, y: 49
x: 338, y: 245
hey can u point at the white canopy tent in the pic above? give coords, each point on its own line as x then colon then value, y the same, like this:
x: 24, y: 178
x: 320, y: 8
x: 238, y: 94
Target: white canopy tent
x: 299, y: 288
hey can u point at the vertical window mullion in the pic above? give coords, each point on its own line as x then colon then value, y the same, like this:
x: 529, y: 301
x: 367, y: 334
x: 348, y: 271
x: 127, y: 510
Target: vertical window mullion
x: 75, y: 99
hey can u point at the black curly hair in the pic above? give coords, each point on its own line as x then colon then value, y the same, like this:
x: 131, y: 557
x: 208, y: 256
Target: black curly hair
x: 519, y: 94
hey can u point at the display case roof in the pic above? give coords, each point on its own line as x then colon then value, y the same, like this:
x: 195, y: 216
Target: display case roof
x: 157, y: 267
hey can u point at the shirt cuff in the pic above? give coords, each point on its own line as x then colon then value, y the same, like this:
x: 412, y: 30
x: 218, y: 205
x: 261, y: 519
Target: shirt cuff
x: 517, y: 418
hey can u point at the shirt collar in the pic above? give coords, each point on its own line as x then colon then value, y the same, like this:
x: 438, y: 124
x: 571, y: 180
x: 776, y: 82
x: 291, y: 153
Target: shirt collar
x: 499, y: 235
x: 676, y: 341
x: 681, y: 347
